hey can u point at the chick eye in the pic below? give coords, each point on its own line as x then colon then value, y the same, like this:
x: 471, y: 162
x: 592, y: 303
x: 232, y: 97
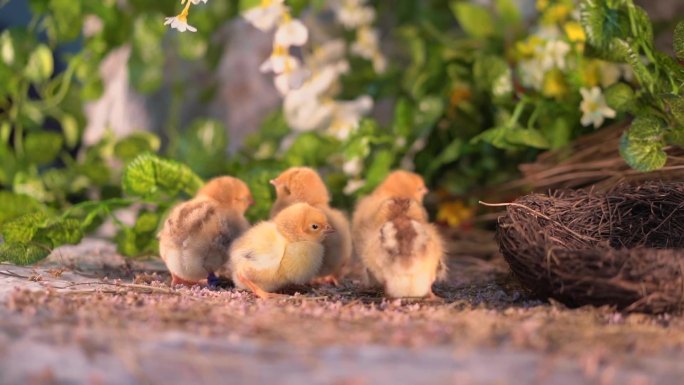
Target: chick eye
x: 314, y: 226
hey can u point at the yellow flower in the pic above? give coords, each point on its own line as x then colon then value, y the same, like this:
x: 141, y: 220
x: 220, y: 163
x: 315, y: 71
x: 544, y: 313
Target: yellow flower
x: 554, y: 84
x: 590, y: 73
x: 575, y: 32
x: 454, y: 213
x: 528, y: 48
x: 542, y: 4
x: 556, y: 13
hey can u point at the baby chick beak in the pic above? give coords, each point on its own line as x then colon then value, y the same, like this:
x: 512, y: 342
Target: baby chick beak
x: 328, y: 229
x: 273, y: 182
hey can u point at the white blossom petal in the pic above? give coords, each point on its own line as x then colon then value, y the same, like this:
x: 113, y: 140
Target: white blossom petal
x: 353, y: 185
x: 291, y: 33
x: 265, y: 18
x: 594, y: 108
x: 180, y: 23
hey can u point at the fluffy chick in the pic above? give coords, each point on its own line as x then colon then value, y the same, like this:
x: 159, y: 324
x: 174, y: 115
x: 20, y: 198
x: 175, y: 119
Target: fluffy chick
x: 398, y: 184
x: 285, y: 250
x: 198, y: 233
x: 303, y: 184
x: 403, y: 252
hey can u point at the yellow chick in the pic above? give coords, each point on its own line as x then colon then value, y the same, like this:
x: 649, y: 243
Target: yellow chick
x: 403, y: 252
x: 303, y: 184
x: 282, y: 251
x: 398, y: 184
x: 198, y: 233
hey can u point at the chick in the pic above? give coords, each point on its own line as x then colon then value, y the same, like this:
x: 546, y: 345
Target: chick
x: 198, y: 233
x: 282, y: 251
x: 403, y: 252
x: 303, y: 184
x: 398, y: 184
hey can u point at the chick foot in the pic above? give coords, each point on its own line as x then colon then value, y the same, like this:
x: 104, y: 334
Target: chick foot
x: 259, y: 292
x: 325, y: 280
x: 176, y: 280
x: 213, y: 281
x: 432, y: 297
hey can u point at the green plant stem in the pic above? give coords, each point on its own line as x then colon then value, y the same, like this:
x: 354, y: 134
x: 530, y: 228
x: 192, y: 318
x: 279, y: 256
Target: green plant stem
x: 16, y: 119
x: 64, y: 86
x: 517, y: 112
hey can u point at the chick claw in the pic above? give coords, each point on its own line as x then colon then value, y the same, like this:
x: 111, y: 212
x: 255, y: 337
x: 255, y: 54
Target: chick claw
x: 326, y: 280
x: 259, y: 292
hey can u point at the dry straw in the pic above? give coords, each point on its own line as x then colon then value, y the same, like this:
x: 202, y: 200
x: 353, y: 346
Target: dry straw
x: 623, y: 247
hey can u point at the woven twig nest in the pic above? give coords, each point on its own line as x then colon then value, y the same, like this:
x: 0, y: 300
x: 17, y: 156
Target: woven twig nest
x: 624, y: 247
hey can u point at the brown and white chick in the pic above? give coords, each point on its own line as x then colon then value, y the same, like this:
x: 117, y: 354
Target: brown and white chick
x: 196, y: 236
x: 303, y: 184
x: 398, y: 184
x: 403, y: 253
x: 282, y: 251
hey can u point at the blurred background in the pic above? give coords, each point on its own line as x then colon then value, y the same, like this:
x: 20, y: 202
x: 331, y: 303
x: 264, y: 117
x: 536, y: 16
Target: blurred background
x: 485, y: 99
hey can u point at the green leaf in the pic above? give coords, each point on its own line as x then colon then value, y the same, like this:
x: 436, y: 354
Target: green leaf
x: 135, y: 144
x: 192, y: 46
x: 70, y: 129
x: 679, y: 40
x: 509, y: 12
x: 620, y: 97
x: 379, y: 168
x: 403, y: 119
x: 22, y: 254
x: 527, y: 137
x: 487, y: 69
x: 147, y: 222
x: 23, y: 228
x: 40, y: 64
x: 603, y: 23
x: 309, y: 149
x: 204, y: 147
x: 6, y: 48
x: 61, y: 232
x: 642, y: 146
x: 146, y: 77
x: 475, y: 20
x: 13, y: 205
x: 93, y: 88
x: 675, y: 136
x: 148, y: 175
x: 248, y: 4
x: 42, y: 147
x: 66, y: 19
x: 643, y: 25
x: 675, y: 104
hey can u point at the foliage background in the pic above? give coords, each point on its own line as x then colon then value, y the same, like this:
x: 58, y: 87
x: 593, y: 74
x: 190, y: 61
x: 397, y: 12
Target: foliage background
x: 453, y: 105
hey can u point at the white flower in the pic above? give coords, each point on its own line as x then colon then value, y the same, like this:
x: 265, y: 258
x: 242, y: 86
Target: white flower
x: 503, y: 85
x: 280, y: 61
x: 594, y: 107
x: 354, y: 13
x: 290, y: 80
x: 353, y: 167
x: 291, y: 33
x: 304, y: 112
x: 332, y: 51
x: 353, y: 185
x: 196, y: 1
x: 180, y: 23
x: 347, y: 115
x: 367, y: 43
x: 265, y: 16
x: 554, y: 54
x: 379, y: 63
x: 531, y: 73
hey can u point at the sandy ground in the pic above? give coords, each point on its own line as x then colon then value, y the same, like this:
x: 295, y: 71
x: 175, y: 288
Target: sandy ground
x: 87, y: 316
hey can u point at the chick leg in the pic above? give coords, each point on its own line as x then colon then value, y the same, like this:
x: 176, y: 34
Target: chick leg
x: 326, y: 280
x: 259, y: 292
x: 176, y: 280
x: 432, y: 297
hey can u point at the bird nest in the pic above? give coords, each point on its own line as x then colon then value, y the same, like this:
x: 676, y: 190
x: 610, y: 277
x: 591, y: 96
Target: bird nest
x: 623, y: 247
